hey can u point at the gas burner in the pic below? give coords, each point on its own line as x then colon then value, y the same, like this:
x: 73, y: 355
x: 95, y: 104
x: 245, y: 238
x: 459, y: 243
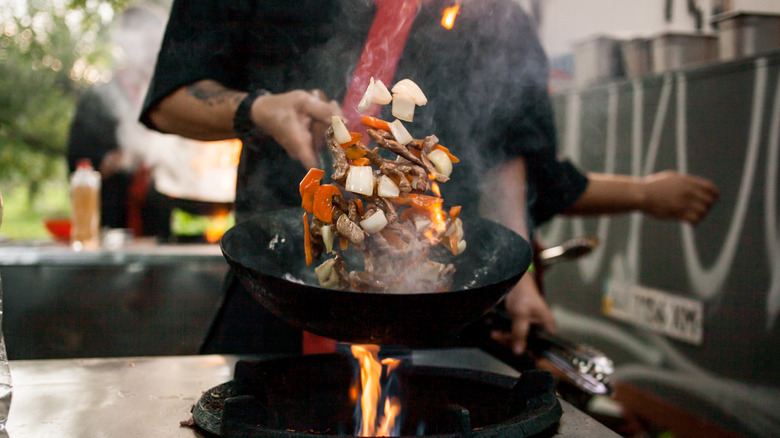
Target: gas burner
x: 309, y: 396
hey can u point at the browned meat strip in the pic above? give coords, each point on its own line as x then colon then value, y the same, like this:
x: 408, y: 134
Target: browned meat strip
x: 390, y: 144
x: 340, y: 163
x: 350, y: 230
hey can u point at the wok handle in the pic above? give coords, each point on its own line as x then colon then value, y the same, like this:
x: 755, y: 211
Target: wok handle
x: 583, y: 366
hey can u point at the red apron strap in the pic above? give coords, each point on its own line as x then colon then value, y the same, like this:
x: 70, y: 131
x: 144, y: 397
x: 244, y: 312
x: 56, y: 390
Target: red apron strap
x: 380, y: 56
x: 379, y: 59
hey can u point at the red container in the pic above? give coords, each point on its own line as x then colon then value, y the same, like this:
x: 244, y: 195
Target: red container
x: 59, y: 227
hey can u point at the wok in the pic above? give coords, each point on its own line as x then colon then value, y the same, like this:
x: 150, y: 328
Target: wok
x: 266, y: 252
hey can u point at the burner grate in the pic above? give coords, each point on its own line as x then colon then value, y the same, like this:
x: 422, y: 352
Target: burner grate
x: 308, y: 396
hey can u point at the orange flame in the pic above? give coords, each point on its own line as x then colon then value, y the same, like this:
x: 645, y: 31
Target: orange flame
x: 448, y: 17
x: 217, y: 227
x: 370, y: 378
x: 435, y: 189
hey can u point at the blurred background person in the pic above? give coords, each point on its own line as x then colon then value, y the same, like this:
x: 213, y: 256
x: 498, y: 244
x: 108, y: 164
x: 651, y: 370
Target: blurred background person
x: 147, y: 175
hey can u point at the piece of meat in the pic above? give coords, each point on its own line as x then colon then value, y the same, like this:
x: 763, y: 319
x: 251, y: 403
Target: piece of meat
x: 349, y: 229
x: 387, y: 142
x: 340, y: 163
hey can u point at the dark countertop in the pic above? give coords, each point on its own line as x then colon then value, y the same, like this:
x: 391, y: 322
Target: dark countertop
x: 149, y: 396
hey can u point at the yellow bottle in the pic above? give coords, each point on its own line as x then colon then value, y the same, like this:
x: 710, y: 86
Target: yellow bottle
x: 85, y: 206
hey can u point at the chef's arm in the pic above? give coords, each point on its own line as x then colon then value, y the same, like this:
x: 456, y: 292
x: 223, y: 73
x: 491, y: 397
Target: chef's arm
x: 663, y: 195
x: 507, y: 204
x: 205, y: 111
x: 202, y: 111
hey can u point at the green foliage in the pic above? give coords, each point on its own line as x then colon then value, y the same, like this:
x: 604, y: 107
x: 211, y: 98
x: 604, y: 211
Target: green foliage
x: 49, y: 53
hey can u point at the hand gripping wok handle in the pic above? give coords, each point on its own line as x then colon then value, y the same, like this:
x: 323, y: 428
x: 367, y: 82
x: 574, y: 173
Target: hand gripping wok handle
x: 584, y: 367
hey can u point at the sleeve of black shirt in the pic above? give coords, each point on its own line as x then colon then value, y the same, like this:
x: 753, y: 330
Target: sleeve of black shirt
x: 202, y: 41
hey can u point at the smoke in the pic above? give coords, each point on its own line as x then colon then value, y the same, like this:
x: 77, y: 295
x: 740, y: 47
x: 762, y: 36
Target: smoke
x: 486, y: 81
x: 137, y: 34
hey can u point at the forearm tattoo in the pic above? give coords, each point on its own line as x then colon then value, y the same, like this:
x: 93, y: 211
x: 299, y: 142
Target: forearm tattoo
x: 213, y: 94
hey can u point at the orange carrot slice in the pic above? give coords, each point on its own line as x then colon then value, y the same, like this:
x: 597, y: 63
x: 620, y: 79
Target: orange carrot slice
x: 307, y: 240
x: 312, y: 174
x: 323, y: 202
x: 373, y: 122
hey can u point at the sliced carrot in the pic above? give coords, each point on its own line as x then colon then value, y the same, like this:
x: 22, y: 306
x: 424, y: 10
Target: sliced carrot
x: 373, y: 122
x: 454, y: 212
x: 343, y: 243
x: 307, y: 198
x: 353, y: 152
x: 307, y: 240
x: 359, y: 205
x: 423, y: 202
x: 452, y: 158
x: 362, y: 161
x: 355, y: 137
x: 454, y: 243
x: 323, y: 202
x: 312, y: 174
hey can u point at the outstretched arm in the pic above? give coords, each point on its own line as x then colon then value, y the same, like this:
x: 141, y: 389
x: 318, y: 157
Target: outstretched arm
x: 664, y: 195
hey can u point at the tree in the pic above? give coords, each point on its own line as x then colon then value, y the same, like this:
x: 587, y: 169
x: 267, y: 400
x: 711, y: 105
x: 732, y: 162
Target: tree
x: 50, y: 51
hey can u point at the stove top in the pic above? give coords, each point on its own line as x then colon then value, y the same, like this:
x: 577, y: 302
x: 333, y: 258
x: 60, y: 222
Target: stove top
x: 309, y: 396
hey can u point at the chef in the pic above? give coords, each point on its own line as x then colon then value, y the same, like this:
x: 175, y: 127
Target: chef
x: 246, y: 69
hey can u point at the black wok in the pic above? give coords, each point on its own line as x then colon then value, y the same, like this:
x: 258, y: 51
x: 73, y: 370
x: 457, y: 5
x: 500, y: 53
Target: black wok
x: 266, y: 253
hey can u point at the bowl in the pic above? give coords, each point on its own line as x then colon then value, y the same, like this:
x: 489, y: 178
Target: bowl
x: 59, y: 227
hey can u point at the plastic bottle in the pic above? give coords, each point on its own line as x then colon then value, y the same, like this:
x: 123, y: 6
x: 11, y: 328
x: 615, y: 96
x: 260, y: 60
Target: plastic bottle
x: 85, y: 206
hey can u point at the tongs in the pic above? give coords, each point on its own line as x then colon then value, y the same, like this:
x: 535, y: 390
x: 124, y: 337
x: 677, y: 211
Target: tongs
x: 581, y: 365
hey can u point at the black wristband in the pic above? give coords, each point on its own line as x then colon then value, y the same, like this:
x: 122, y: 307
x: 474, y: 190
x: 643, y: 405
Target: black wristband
x: 243, y: 125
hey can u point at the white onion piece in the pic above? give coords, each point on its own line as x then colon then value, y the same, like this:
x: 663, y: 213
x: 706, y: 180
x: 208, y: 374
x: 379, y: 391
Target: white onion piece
x: 441, y: 162
x: 327, y: 237
x: 403, y: 107
x: 421, y: 223
x: 374, y: 223
x: 365, y: 101
x: 459, y: 228
x: 360, y: 179
x: 326, y: 275
x: 400, y: 133
x: 380, y: 93
x: 386, y: 188
x: 376, y: 92
x: 409, y: 88
x: 461, y: 247
x: 340, y: 131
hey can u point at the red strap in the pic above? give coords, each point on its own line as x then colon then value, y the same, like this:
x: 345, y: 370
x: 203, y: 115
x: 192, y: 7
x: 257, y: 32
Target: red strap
x: 383, y: 48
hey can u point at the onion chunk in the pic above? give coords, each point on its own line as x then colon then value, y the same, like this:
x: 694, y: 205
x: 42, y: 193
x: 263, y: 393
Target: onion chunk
x: 441, y: 162
x: 374, y: 223
x: 400, y: 133
x: 360, y: 179
x: 340, y: 131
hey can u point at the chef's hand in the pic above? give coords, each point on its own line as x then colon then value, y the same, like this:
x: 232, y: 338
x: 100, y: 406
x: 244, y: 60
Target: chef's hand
x: 526, y: 306
x: 674, y: 196
x: 291, y: 118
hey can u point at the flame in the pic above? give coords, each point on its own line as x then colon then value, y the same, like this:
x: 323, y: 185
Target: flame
x: 448, y: 17
x: 371, y: 424
x: 435, y: 189
x: 217, y: 227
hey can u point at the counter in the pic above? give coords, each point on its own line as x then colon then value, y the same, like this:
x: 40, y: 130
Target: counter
x: 149, y: 396
x: 139, y: 300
